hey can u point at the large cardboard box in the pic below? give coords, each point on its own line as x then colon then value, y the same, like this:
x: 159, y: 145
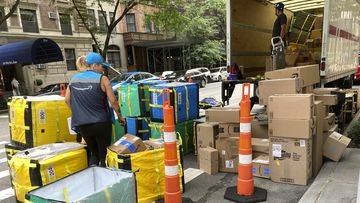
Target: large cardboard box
x: 308, y: 89
x: 260, y: 145
x: 208, y: 160
x: 206, y: 133
x: 292, y: 128
x: 290, y: 160
x: 322, y: 91
x: 317, y: 149
x: 309, y: 74
x: 268, y: 88
x: 296, y: 106
x: 326, y: 135
x: 259, y: 129
x: 229, y: 130
x: 128, y: 144
x: 290, y: 58
x: 329, y: 122
x: 329, y: 100
x: 228, y: 154
x: 335, y: 146
x: 223, y: 115
x: 261, y: 167
x: 316, y: 34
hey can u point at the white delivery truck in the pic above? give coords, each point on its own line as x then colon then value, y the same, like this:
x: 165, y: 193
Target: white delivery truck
x: 249, y: 29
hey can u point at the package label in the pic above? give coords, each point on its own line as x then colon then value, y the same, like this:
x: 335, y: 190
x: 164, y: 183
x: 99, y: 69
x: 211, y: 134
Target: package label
x: 42, y: 116
x: 276, y: 150
x: 51, y: 173
x: 229, y: 164
x: 179, y: 98
x: 302, y: 143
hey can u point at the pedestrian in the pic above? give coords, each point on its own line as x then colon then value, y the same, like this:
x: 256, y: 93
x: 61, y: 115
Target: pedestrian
x: 88, y: 95
x: 279, y: 27
x: 235, y: 70
x: 15, y: 87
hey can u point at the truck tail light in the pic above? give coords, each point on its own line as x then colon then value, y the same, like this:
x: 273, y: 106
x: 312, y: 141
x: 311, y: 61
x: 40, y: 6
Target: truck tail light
x: 322, y: 64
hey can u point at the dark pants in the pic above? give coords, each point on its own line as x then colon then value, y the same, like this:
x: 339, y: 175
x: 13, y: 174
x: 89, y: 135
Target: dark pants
x: 97, y: 137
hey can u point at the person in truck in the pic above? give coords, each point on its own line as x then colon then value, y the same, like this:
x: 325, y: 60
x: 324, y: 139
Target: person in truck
x: 280, y: 22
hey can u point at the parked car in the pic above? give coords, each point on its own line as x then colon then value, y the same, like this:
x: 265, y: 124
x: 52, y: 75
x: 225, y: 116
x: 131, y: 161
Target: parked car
x: 203, y: 70
x: 196, y: 76
x: 53, y: 89
x: 131, y: 77
x: 219, y: 74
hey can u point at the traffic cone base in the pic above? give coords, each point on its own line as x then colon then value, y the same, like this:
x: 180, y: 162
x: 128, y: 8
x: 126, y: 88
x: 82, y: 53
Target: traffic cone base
x: 259, y: 195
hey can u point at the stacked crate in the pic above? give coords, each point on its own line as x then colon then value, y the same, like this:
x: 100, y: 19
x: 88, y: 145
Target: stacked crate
x: 184, y: 98
x: 134, y: 102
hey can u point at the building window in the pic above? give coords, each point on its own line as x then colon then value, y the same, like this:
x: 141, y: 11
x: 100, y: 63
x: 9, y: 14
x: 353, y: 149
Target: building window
x: 148, y: 24
x: 111, y: 15
x: 65, y: 24
x: 3, y: 26
x: 29, y: 20
x: 91, y: 18
x: 113, y: 56
x: 102, y: 22
x: 130, y: 22
x: 70, y: 59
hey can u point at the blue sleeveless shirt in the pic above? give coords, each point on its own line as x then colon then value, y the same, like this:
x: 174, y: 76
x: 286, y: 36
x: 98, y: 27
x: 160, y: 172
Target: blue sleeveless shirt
x: 89, y: 103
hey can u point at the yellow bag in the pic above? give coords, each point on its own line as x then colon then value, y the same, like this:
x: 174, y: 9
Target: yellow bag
x: 149, y: 170
x: 35, y: 121
x: 32, y: 168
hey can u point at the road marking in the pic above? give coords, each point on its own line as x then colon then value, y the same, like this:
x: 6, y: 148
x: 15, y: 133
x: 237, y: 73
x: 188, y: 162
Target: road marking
x: 5, y: 136
x: 4, y: 142
x: 4, y: 194
x: 4, y: 116
x: 4, y: 173
x: 192, y: 173
x: 2, y: 151
x: 3, y: 160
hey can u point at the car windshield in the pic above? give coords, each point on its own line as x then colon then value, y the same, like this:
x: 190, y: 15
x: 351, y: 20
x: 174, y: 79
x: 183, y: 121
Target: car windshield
x: 214, y: 70
x: 121, y: 78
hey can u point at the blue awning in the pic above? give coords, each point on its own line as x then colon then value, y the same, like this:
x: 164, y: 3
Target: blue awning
x: 36, y: 51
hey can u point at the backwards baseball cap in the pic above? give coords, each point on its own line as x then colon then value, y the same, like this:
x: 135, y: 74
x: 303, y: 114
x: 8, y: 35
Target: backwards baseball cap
x: 95, y: 58
x: 280, y: 6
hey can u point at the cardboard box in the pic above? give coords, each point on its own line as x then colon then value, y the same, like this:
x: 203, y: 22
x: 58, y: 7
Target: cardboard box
x: 154, y: 144
x: 309, y: 74
x: 228, y: 154
x: 257, y: 154
x: 290, y: 58
x: 260, y: 145
x: 223, y: 115
x: 335, y: 146
x: 317, y: 149
x: 209, y: 160
x: 259, y: 129
x: 296, y: 106
x: 268, y: 88
x: 287, y: 128
x: 323, y: 91
x: 318, y: 23
x: 328, y: 99
x: 261, y: 167
x: 290, y: 160
x: 229, y: 130
x: 128, y: 144
x: 268, y: 63
x: 308, y: 89
x: 329, y: 122
x: 326, y: 135
x: 206, y: 133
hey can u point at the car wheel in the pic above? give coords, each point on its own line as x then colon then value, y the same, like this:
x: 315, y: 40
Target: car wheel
x: 203, y: 82
x: 219, y: 78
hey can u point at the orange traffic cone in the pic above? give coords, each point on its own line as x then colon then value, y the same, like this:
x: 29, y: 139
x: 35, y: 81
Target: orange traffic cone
x: 245, y: 191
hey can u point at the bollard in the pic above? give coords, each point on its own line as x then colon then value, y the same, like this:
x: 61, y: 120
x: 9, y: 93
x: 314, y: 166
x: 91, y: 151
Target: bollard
x: 245, y: 191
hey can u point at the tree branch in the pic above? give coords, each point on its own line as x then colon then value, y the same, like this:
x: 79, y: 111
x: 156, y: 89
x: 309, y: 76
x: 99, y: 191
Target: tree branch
x: 12, y: 10
x: 126, y: 10
x: 103, y: 13
x: 83, y: 20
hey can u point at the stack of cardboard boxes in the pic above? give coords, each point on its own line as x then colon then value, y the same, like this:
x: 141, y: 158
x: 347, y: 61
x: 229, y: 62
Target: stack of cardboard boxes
x: 291, y: 129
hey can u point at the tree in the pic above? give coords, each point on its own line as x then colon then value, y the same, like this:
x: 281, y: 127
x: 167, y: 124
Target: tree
x: 13, y: 6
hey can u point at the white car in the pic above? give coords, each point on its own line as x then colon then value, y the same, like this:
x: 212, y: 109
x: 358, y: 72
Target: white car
x: 219, y: 74
x: 203, y: 70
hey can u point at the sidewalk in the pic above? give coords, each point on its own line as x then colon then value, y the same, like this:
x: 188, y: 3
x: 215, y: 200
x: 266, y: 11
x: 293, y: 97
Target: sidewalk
x: 336, y: 182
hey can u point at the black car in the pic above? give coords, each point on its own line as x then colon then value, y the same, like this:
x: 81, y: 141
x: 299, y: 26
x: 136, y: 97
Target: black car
x: 53, y: 89
x: 196, y: 77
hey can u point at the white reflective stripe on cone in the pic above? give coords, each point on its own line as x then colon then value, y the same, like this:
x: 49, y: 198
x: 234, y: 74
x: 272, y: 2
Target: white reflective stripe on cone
x: 245, y: 159
x: 169, y: 137
x: 245, y: 127
x: 171, y: 170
